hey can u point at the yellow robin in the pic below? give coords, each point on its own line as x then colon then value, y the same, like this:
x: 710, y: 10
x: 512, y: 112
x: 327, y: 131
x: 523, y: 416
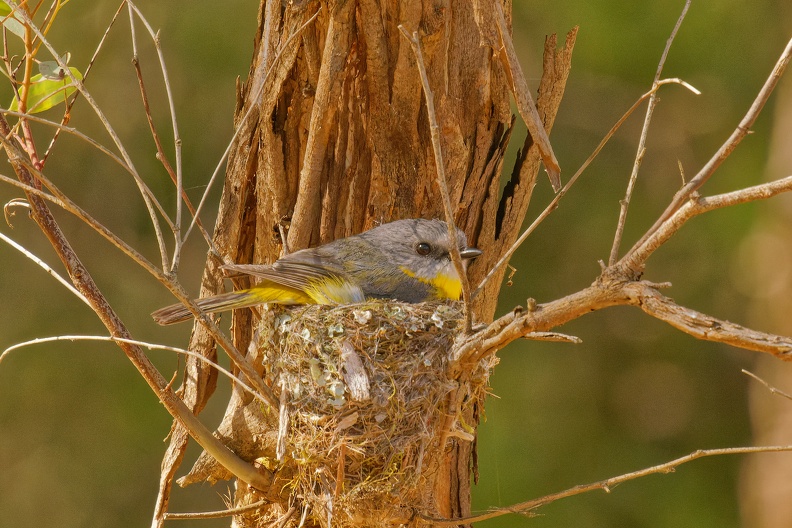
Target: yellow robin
x: 406, y: 260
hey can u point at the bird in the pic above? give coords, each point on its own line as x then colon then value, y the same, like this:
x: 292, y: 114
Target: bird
x: 405, y: 260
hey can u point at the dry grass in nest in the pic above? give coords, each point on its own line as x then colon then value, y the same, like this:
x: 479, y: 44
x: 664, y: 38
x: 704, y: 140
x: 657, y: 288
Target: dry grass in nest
x: 367, y: 396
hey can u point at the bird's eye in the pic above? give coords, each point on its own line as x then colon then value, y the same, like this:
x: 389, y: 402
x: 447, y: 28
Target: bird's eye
x: 423, y: 249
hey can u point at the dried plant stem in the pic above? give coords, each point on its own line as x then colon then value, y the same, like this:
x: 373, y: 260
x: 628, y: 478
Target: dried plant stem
x: 84, y: 283
x: 726, y: 149
x: 442, y: 184
x: 625, y: 203
x: 63, y: 201
x: 177, y: 141
x: 60, y: 127
x: 604, y: 485
x: 148, y: 196
x: 162, y: 157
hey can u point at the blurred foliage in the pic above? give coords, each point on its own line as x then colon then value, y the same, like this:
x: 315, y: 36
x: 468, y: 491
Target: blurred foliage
x: 81, y: 431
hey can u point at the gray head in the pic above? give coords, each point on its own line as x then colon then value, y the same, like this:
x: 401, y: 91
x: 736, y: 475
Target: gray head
x: 420, y: 248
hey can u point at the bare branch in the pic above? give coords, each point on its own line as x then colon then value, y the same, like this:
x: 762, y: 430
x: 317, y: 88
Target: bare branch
x: 163, y: 159
x: 612, y: 288
x: 63, y: 201
x: 148, y: 196
x: 727, y: 148
x: 95, y: 144
x: 625, y: 203
x: 43, y: 265
x: 83, y: 281
x: 604, y: 485
x: 541, y: 318
x: 708, y: 328
x: 177, y: 141
x: 636, y: 258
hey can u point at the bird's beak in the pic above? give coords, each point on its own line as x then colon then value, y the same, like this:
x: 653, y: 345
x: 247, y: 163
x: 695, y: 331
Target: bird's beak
x: 469, y: 253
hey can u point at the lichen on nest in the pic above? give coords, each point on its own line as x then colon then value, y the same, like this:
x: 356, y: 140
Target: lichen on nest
x: 366, y: 398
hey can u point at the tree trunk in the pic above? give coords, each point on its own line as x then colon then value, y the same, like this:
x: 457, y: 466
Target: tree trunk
x: 334, y: 139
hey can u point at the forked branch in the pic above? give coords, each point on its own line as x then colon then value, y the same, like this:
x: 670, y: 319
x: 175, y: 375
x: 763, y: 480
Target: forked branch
x: 619, y: 284
x: 728, y: 146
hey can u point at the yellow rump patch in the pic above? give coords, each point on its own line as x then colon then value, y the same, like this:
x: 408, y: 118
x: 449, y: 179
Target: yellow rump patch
x: 335, y: 290
x: 276, y: 294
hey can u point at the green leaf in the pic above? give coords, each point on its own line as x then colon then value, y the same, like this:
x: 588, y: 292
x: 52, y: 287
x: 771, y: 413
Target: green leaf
x: 45, y: 93
x: 52, y: 71
x: 10, y: 22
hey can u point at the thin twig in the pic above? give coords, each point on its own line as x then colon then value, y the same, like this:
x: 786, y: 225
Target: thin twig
x: 769, y: 387
x: 64, y: 202
x: 683, y: 194
x: 82, y: 280
x: 217, y: 514
x: 43, y: 265
x: 434, y: 129
x: 177, y: 141
x: 70, y: 103
x: 625, y: 203
x: 95, y: 144
x: 9, y: 205
x: 163, y: 158
x: 554, y: 203
x: 145, y: 191
x: 150, y: 346
x: 604, y: 485
x: 525, y: 104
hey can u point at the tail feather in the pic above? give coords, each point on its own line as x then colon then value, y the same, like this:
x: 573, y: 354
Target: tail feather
x: 177, y: 313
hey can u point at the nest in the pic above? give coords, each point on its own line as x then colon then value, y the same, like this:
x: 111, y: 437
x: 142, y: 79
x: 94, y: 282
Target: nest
x: 364, y: 418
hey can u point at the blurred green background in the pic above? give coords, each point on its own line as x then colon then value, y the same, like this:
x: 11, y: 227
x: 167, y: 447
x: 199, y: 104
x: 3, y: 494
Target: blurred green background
x: 81, y: 435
